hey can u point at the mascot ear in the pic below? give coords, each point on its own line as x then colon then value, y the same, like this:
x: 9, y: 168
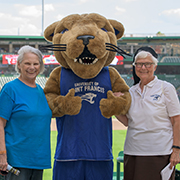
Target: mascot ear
x: 118, y: 28
x: 49, y: 32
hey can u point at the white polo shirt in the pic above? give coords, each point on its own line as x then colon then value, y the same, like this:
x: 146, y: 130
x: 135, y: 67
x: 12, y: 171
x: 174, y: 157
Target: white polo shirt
x: 149, y: 127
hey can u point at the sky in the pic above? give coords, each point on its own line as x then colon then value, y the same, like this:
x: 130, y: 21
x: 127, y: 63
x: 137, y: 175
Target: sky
x: 139, y: 17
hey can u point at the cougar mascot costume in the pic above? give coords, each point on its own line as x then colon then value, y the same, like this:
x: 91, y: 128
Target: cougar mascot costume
x: 80, y: 94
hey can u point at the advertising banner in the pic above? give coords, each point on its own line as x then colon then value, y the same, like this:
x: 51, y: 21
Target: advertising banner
x: 50, y: 59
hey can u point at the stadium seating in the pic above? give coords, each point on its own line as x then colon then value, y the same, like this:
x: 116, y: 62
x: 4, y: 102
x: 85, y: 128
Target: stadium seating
x: 5, y: 79
x: 128, y: 78
x: 173, y: 79
x: 170, y: 59
x: 178, y: 92
x: 39, y: 80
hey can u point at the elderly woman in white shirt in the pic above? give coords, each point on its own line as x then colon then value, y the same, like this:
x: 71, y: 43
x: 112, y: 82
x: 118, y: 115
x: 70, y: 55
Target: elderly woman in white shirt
x: 153, y: 135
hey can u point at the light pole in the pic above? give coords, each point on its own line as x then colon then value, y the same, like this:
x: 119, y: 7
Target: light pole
x: 42, y: 17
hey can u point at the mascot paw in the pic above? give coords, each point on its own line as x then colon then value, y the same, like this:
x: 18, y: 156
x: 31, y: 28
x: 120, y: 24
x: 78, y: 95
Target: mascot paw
x: 69, y: 104
x: 110, y: 106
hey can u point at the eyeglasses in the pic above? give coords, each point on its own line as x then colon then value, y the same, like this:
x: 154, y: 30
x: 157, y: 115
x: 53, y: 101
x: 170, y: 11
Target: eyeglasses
x: 140, y: 65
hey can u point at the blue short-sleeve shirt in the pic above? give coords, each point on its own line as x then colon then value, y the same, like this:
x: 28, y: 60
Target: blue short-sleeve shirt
x: 27, y: 131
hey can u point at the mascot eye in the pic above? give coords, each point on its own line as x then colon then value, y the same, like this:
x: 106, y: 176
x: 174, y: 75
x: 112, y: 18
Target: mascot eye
x: 63, y: 31
x: 104, y: 29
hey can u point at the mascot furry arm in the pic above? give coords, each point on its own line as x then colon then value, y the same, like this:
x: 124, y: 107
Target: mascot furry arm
x: 85, y: 44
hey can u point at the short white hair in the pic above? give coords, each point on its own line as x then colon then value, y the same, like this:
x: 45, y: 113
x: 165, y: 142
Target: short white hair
x: 29, y: 49
x: 144, y: 54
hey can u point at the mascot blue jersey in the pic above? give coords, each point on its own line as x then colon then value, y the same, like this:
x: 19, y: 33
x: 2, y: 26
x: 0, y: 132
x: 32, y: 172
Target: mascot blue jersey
x: 87, y: 135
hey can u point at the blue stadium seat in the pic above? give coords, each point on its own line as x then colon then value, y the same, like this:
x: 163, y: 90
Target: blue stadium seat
x: 172, y: 59
x: 39, y: 80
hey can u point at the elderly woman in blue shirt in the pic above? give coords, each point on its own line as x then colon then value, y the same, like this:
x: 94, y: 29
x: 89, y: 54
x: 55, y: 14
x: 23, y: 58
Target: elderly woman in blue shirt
x: 25, y: 120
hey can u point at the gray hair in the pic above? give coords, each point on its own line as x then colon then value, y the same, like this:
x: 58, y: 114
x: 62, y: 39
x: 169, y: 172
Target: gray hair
x: 144, y: 54
x: 29, y: 49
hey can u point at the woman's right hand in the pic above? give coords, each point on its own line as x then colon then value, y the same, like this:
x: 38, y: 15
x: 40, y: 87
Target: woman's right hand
x: 3, y: 162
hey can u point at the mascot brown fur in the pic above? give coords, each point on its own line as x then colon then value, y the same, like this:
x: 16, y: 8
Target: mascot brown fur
x: 80, y: 94
x: 80, y: 43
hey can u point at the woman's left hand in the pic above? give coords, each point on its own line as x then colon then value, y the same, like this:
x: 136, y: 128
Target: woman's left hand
x: 118, y: 94
x: 175, y: 157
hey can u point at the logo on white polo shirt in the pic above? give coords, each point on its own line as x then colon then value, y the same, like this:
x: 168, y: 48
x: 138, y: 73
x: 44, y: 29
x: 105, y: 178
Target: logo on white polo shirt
x: 156, y: 97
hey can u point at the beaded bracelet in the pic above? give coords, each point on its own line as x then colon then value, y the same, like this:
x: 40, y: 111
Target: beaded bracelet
x: 177, y: 147
x: 2, y: 152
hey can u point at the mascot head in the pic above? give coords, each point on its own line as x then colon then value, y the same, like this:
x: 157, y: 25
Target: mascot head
x: 84, y: 43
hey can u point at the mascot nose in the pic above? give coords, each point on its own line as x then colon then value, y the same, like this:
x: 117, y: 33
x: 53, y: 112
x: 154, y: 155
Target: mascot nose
x: 85, y: 38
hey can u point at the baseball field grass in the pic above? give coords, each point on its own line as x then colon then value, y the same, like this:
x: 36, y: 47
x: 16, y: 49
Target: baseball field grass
x: 118, y: 143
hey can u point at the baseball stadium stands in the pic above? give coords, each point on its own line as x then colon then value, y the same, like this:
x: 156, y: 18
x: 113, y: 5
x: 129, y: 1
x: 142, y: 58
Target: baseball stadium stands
x: 173, y: 79
x: 169, y: 59
x: 39, y: 80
